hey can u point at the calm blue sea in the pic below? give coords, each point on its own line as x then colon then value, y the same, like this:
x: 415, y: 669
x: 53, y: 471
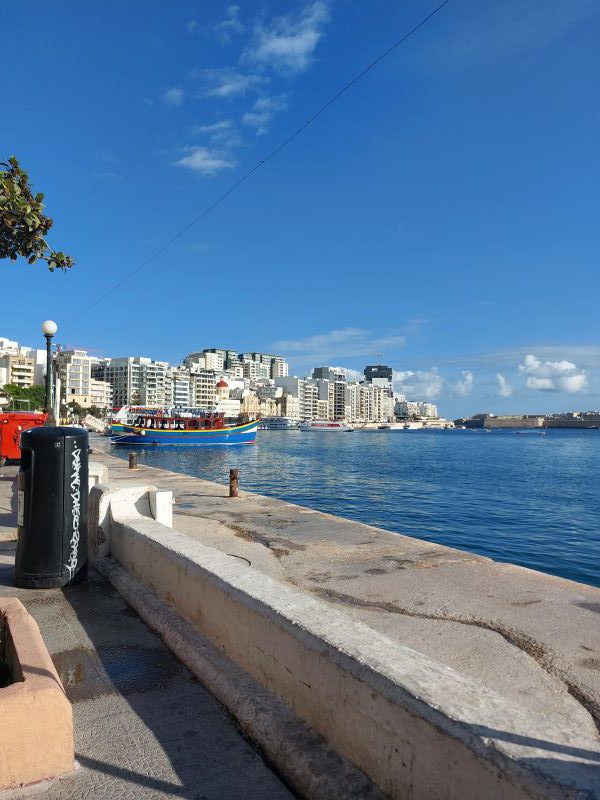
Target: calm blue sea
x: 528, y: 499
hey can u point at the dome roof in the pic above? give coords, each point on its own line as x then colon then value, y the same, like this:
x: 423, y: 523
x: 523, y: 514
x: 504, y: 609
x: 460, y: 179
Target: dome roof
x: 222, y: 384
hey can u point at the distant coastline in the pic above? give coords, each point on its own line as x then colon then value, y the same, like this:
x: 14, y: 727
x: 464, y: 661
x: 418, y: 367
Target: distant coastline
x: 573, y: 419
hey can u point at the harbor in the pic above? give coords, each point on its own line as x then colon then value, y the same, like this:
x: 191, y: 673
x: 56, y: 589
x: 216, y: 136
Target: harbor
x: 460, y: 488
x: 299, y: 411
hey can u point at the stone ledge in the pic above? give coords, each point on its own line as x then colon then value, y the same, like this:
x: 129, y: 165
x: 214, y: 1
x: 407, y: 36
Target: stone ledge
x: 36, y: 730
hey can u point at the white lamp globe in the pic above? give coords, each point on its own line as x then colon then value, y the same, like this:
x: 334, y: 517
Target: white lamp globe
x: 49, y: 327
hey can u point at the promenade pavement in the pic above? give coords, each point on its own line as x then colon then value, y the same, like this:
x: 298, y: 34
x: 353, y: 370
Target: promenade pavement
x: 531, y: 637
x: 144, y: 726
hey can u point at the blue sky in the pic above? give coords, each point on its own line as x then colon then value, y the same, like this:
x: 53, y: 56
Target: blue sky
x: 444, y: 212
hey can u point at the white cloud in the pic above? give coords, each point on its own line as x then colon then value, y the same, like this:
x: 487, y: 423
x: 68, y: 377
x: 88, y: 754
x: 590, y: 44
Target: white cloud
x: 263, y: 111
x: 213, y: 127
x: 205, y: 160
x: 464, y: 386
x: 173, y: 97
x: 227, y: 82
x: 192, y: 25
x: 414, y: 326
x: 343, y: 343
x: 230, y: 25
x: 553, y: 376
x: 223, y: 133
x: 504, y: 387
x: 351, y: 374
x: 420, y: 384
x: 287, y: 43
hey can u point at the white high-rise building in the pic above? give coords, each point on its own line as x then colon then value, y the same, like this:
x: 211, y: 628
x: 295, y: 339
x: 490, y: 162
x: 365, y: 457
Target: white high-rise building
x: 100, y: 394
x: 77, y: 385
x: 73, y: 369
x: 415, y: 408
x: 370, y: 402
x: 181, y: 383
x: 21, y: 365
x: 136, y: 380
x: 203, y: 389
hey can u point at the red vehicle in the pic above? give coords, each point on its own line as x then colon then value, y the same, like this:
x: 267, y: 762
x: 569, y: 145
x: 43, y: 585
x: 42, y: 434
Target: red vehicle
x: 12, y: 424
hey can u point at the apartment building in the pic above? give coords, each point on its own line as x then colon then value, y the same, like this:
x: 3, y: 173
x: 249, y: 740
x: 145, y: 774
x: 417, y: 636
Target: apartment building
x: 203, y: 384
x: 100, y: 394
x: 414, y: 408
x: 17, y: 369
x: 23, y: 366
x: 135, y: 380
x: 156, y: 388
x: 73, y: 370
x: 180, y: 378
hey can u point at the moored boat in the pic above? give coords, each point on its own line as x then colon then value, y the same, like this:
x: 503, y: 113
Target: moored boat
x: 209, y: 429
x: 125, y: 417
x: 278, y: 424
x: 325, y: 426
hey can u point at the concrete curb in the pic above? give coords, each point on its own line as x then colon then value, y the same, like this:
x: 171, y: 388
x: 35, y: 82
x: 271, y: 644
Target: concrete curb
x: 311, y: 767
x: 36, y: 728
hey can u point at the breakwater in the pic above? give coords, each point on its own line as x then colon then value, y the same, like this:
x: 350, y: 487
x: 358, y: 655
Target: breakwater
x: 523, y: 498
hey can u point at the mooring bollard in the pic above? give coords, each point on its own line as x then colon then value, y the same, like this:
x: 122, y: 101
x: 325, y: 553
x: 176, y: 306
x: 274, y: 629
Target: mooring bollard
x: 233, y: 482
x: 132, y: 460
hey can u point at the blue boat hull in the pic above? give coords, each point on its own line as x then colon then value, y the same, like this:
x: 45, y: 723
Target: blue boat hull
x: 238, y: 434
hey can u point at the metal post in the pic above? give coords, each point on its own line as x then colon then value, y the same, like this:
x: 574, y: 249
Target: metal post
x: 50, y: 419
x: 233, y: 482
x: 132, y: 460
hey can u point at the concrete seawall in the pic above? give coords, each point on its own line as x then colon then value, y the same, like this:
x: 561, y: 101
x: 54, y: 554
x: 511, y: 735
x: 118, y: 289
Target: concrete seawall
x: 502, y: 709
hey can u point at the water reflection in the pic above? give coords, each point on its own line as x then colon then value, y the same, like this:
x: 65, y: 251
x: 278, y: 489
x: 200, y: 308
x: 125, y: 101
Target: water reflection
x: 530, y: 500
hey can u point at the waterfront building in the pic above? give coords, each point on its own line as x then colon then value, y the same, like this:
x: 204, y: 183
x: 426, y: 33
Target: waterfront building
x: 73, y: 370
x: 224, y: 402
x: 279, y: 368
x: 290, y: 407
x: 263, y: 365
x: 269, y: 391
x: 269, y: 407
x: 155, y: 386
x: 381, y: 376
x: 333, y: 387
x: 181, y: 383
x: 206, y: 360
x: 411, y: 408
x: 21, y: 365
x: 253, y: 370
x: 250, y: 406
x: 75, y: 381
x: 17, y: 369
x: 135, y: 380
x: 100, y: 394
x: 203, y: 388
x: 303, y: 392
x: 429, y: 410
x: 369, y: 402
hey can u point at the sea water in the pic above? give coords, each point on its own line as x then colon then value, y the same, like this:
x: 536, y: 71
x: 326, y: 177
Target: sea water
x: 524, y: 498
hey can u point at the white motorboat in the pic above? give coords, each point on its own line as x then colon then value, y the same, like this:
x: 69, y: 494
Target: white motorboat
x: 278, y: 424
x: 325, y: 426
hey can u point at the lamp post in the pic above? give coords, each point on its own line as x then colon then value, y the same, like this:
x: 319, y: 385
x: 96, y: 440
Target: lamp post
x: 49, y: 328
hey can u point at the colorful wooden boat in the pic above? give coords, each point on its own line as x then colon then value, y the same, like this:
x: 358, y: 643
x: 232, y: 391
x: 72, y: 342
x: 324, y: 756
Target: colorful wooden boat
x: 207, y: 430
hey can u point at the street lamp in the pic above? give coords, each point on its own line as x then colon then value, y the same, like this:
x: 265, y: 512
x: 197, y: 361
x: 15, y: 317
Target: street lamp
x: 49, y: 328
